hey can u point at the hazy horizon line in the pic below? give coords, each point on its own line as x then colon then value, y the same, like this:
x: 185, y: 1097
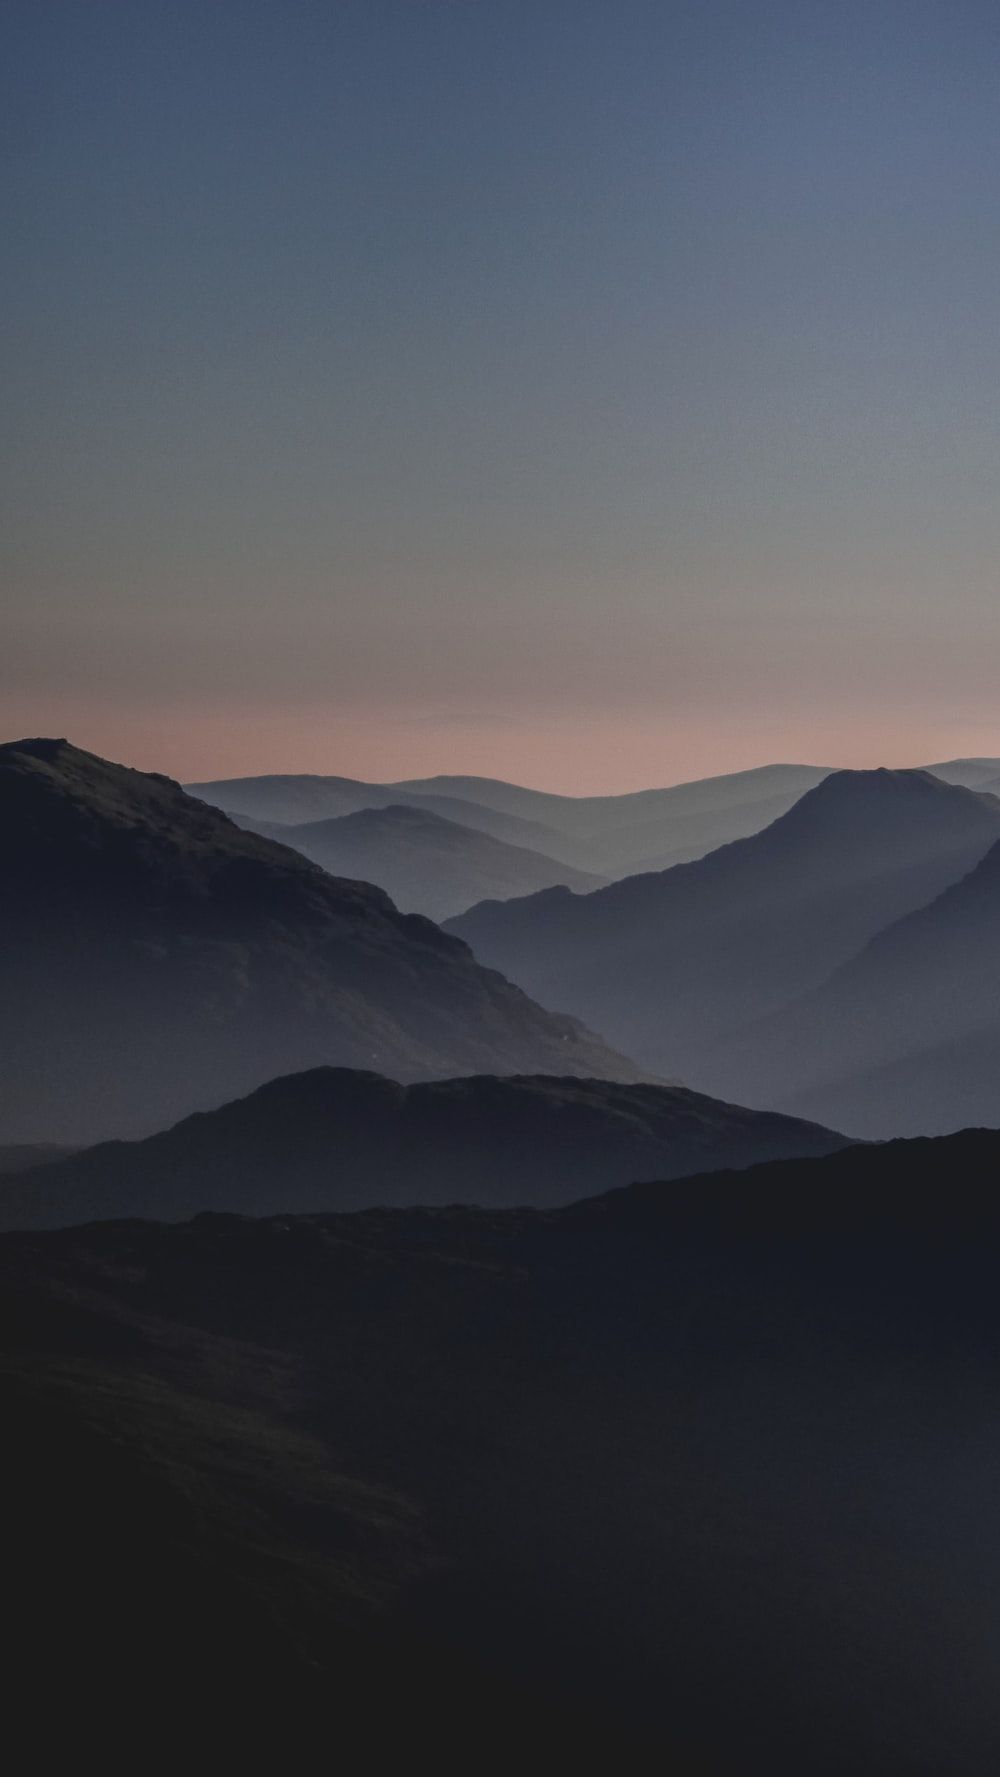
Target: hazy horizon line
x: 636, y: 789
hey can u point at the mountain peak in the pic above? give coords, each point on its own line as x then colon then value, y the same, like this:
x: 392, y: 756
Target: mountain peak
x: 884, y: 800
x: 196, y: 959
x: 39, y: 747
x: 63, y: 757
x: 880, y: 780
x: 668, y: 963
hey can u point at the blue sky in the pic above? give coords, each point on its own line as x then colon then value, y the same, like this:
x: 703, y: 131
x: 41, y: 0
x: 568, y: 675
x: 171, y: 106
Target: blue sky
x: 596, y: 394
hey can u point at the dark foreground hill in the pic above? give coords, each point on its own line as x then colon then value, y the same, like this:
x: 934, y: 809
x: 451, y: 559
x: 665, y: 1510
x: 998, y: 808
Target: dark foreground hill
x: 670, y: 964
x: 710, y: 1467
x: 155, y: 958
x: 334, y: 1139
x: 427, y: 864
x: 23, y: 1157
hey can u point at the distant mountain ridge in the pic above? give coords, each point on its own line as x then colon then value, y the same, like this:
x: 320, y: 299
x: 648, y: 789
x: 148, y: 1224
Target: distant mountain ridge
x: 609, y: 835
x: 593, y: 814
x: 904, y: 1038
x: 298, y: 800
x: 672, y: 963
x: 425, y: 863
x: 974, y: 774
x: 157, y: 959
x: 335, y: 1139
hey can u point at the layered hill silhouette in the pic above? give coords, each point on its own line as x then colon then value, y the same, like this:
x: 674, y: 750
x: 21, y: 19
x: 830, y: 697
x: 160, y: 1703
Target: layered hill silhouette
x: 975, y: 774
x: 705, y: 1467
x: 335, y: 1139
x: 608, y: 835
x: 905, y: 1037
x: 157, y: 959
x: 669, y: 964
x: 282, y: 801
x: 425, y: 863
x: 646, y: 829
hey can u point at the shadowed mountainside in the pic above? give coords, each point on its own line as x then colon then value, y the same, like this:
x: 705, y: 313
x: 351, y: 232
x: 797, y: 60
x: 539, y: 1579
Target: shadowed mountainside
x: 157, y: 959
x: 903, y: 1039
x: 711, y: 1466
x: 334, y: 1139
x: 425, y: 863
x: 671, y: 963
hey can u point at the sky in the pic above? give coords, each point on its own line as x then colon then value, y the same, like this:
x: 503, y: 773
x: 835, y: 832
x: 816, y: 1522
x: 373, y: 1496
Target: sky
x: 595, y: 395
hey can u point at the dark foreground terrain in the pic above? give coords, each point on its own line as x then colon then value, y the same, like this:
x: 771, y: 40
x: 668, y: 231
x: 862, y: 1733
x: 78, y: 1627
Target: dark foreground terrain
x: 335, y: 1139
x: 709, y: 1468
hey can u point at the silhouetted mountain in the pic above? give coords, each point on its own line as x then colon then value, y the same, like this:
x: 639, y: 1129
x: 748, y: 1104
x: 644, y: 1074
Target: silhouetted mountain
x: 156, y: 958
x: 610, y: 835
x: 668, y: 964
x: 426, y: 864
x: 904, y: 1038
x: 335, y: 1139
x: 710, y: 1466
x: 683, y: 838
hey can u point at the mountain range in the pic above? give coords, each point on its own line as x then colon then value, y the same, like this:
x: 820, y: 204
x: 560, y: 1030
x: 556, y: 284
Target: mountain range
x: 425, y: 863
x: 696, y: 1471
x: 334, y: 1139
x: 608, y: 835
x: 902, y: 1039
x: 300, y: 800
x: 975, y: 774
x: 700, y: 1475
x: 613, y: 836
x: 672, y: 964
x: 157, y: 959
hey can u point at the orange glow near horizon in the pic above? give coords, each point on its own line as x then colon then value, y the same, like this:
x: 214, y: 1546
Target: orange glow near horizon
x: 571, y: 754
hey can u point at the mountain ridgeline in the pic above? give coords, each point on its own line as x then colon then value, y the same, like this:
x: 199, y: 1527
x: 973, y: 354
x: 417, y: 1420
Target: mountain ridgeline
x: 334, y: 1139
x: 610, y: 835
x: 426, y: 864
x: 672, y: 965
x: 905, y: 1037
x: 617, y: 1419
x: 158, y: 959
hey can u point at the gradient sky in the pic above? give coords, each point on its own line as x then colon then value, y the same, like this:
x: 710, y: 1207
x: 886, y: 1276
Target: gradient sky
x: 597, y: 395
